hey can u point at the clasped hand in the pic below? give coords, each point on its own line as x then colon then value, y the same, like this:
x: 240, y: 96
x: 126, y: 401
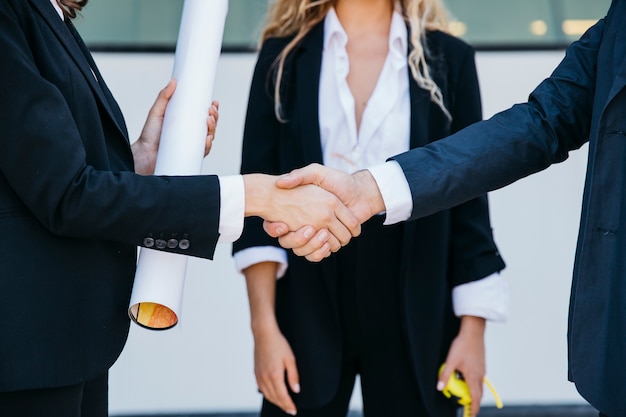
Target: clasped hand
x: 354, y: 198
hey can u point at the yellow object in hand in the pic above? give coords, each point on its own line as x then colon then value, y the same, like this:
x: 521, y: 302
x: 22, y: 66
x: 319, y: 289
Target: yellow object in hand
x: 457, y: 388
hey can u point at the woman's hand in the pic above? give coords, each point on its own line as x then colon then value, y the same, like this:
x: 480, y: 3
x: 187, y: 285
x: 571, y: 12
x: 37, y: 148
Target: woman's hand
x: 145, y: 148
x: 467, y: 356
x: 273, y: 358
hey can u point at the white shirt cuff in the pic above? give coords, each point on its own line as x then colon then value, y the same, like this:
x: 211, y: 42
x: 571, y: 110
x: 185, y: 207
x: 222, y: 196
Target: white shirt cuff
x: 395, y: 190
x: 250, y: 256
x: 232, y: 208
x: 487, y: 298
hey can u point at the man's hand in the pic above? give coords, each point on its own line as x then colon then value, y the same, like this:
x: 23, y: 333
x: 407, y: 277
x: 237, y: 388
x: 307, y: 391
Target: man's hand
x: 358, y: 192
x: 145, y: 148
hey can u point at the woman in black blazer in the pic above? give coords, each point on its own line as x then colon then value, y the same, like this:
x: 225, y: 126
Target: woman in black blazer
x: 73, y: 211
x: 382, y: 306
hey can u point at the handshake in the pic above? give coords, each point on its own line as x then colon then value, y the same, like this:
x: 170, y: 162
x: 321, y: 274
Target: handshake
x: 314, y: 210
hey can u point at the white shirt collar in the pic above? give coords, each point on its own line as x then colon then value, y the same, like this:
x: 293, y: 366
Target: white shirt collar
x: 333, y: 30
x: 398, y: 37
x: 57, y: 8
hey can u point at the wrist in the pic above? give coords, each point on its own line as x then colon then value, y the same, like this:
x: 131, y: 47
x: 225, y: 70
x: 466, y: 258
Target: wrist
x: 261, y: 326
x: 144, y: 164
x: 369, y: 194
x: 473, y: 325
x: 257, y: 194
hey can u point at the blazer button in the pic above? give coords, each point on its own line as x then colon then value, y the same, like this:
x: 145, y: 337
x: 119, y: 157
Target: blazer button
x: 172, y: 243
x: 160, y: 243
x: 184, y: 244
x: 148, y: 242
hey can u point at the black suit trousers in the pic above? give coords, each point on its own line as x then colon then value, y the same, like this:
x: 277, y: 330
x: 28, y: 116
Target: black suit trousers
x: 374, y: 342
x: 87, y: 399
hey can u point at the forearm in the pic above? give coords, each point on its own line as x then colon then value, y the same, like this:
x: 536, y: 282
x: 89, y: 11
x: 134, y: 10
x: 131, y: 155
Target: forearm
x: 261, y: 286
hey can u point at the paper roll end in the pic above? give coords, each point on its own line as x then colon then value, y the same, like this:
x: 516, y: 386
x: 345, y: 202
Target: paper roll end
x: 153, y: 316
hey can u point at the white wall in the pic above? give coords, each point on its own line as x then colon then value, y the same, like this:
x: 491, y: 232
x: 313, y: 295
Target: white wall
x: 206, y: 363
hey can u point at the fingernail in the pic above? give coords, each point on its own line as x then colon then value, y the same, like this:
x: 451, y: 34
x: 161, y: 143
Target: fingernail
x: 210, y: 137
x: 296, y: 388
x: 291, y: 412
x: 308, y: 232
x: 323, y: 236
x: 280, y: 230
x: 440, y: 386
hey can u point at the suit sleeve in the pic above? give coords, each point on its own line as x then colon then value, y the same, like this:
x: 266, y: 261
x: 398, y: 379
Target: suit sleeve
x: 44, y: 163
x: 260, y: 149
x: 515, y: 143
x: 473, y: 253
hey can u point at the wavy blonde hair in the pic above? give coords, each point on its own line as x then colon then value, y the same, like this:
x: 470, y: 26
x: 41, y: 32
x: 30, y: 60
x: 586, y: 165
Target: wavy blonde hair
x: 297, y: 17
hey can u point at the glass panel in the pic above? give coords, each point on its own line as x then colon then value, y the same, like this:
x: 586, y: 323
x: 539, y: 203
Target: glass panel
x: 150, y: 24
x: 528, y: 23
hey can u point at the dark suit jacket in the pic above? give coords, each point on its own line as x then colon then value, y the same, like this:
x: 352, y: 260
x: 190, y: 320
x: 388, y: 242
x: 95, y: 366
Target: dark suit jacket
x: 72, y: 212
x: 443, y: 250
x: 583, y: 100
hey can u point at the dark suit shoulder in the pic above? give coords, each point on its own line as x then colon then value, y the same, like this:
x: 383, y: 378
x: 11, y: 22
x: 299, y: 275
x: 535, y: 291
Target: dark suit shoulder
x: 445, y: 41
x: 448, y: 53
x: 272, y: 47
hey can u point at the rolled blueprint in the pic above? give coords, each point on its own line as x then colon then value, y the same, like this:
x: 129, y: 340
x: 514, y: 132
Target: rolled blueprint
x: 156, y: 300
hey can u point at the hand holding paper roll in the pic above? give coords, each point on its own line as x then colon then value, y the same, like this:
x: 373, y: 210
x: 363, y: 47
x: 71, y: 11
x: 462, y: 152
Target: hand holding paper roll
x: 146, y: 147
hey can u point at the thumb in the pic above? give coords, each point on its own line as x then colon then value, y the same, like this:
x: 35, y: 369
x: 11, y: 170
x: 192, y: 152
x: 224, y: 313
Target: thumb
x: 444, y: 377
x: 308, y: 175
x: 158, y: 108
x: 275, y: 229
x: 292, y: 375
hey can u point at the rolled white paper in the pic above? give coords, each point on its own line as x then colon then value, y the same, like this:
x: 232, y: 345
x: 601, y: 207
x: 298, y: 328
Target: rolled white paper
x: 160, y: 276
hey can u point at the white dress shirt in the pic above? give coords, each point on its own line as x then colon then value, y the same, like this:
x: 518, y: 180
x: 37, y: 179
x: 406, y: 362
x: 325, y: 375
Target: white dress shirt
x: 384, y: 132
x: 232, y: 195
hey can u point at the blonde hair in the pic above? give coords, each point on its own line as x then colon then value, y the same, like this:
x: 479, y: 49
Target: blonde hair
x: 297, y: 18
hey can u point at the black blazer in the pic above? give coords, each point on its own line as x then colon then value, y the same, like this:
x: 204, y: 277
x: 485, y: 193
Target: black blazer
x: 441, y: 251
x: 72, y: 212
x: 583, y: 100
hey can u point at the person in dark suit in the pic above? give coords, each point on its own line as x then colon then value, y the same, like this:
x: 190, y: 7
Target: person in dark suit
x: 584, y: 100
x: 73, y: 209
x: 383, y: 307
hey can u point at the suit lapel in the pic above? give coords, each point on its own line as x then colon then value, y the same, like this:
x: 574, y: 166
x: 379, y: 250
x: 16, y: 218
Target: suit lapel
x: 307, y: 69
x: 420, y: 109
x: 84, y: 61
x: 620, y: 65
x: 96, y: 81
